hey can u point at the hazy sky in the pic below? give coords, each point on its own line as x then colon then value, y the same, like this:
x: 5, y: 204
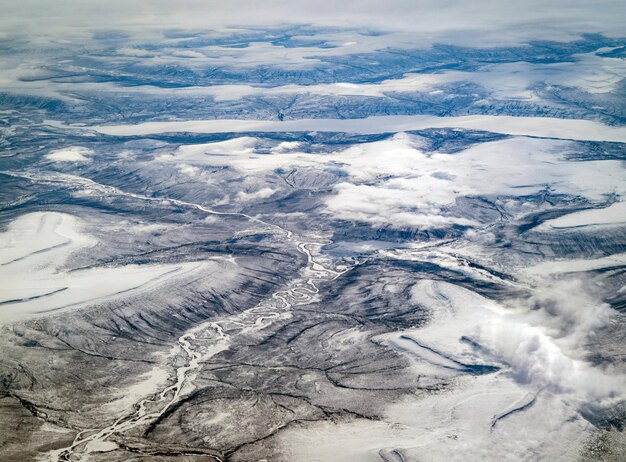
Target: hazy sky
x: 486, y: 22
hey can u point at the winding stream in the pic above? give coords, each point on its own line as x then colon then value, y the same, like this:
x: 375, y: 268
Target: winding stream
x: 301, y: 291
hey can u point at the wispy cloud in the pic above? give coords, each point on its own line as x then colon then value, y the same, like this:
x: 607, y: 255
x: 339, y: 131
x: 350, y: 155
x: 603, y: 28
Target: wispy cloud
x: 427, y: 21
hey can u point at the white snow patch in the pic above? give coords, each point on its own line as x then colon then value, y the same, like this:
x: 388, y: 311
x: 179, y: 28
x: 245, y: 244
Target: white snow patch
x: 149, y: 383
x: 33, y: 252
x: 575, y: 265
x: 614, y: 214
x: 547, y: 127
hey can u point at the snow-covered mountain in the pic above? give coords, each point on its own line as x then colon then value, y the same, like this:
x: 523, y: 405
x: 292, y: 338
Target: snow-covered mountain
x: 314, y: 239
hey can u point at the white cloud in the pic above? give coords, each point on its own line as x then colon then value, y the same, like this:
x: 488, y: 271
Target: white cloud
x: 394, y: 182
x: 71, y: 154
x: 134, y: 52
x: 262, y: 193
x: 285, y: 146
x: 425, y: 21
x: 540, y: 347
x: 187, y: 169
x: 541, y: 340
x: 390, y: 205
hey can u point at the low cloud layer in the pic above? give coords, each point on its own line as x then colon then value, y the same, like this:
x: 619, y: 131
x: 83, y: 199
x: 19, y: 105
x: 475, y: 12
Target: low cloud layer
x: 545, y: 345
x: 394, y: 182
x: 542, y: 342
x: 427, y: 21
